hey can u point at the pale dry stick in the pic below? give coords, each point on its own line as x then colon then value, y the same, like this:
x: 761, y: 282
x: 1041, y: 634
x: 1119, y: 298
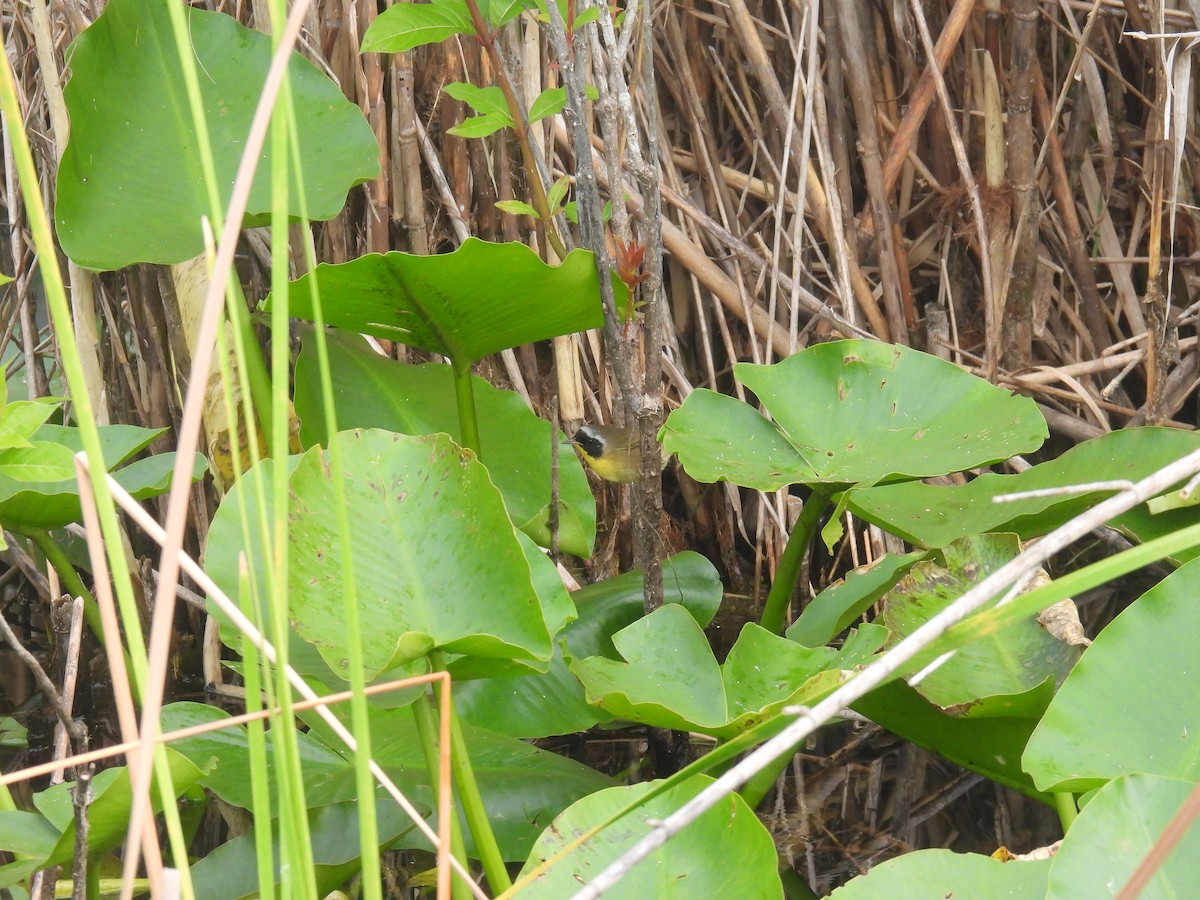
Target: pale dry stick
x: 1179, y: 825
x: 1088, y: 400
x: 877, y: 672
x: 806, y: 140
x: 436, y: 171
x: 82, y: 294
x: 968, y: 177
x: 70, y: 677
x: 1100, y: 364
x: 189, y: 435
x: 156, y: 532
x: 775, y: 267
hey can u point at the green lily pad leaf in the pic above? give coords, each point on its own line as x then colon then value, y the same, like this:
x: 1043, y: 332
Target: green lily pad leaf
x: 671, y: 679
x: 417, y: 508
x: 407, y: 25
x: 834, y: 609
x: 686, y: 866
x: 534, y: 706
x: 1130, y: 705
x: 1014, y: 660
x: 934, y: 515
x: 371, y: 391
x: 476, y: 301
x: 557, y: 610
x: 27, y: 834
x: 54, y: 504
x: 850, y: 412
x: 132, y: 157
x: 1116, y: 830
x: 21, y: 418
x: 954, y: 874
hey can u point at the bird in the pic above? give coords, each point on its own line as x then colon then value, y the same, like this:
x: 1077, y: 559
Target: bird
x: 611, y: 452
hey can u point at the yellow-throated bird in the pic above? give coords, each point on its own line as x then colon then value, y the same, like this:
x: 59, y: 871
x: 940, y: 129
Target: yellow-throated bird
x: 612, y: 452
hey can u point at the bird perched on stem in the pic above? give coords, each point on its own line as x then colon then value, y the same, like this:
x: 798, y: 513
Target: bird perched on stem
x: 611, y: 452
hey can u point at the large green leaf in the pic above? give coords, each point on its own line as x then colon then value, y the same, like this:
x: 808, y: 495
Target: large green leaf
x: 943, y: 873
x: 532, y: 706
x: 130, y: 187
x: 726, y: 852
x: 1115, y: 832
x: 849, y: 412
x: 1016, y: 659
x: 476, y: 301
x: 934, y: 515
x: 371, y: 391
x: 46, y: 505
x: 1131, y: 704
x: 671, y: 679
x: 437, y: 563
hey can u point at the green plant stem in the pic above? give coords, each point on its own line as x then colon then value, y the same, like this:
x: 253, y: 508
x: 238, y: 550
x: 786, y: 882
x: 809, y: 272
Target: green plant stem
x: 464, y: 392
x: 537, y: 190
x: 1064, y: 803
x: 472, y: 801
x: 788, y: 570
x: 427, y: 733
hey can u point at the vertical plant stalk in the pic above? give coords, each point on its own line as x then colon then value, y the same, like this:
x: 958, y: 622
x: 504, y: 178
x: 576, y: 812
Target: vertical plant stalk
x: 788, y: 571
x: 427, y: 734
x: 468, y: 791
x: 1016, y: 336
x: 862, y: 96
x: 464, y: 394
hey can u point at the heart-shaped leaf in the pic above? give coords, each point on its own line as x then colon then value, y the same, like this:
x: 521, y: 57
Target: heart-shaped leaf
x: 671, y: 679
x: 1130, y: 705
x: 130, y: 185
x: 476, y: 301
x: 418, y: 507
x: 1011, y: 661
x: 849, y: 412
x: 686, y: 866
x: 934, y: 515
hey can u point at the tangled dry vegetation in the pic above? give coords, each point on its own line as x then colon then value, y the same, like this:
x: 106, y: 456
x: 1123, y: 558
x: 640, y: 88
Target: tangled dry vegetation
x: 1013, y: 186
